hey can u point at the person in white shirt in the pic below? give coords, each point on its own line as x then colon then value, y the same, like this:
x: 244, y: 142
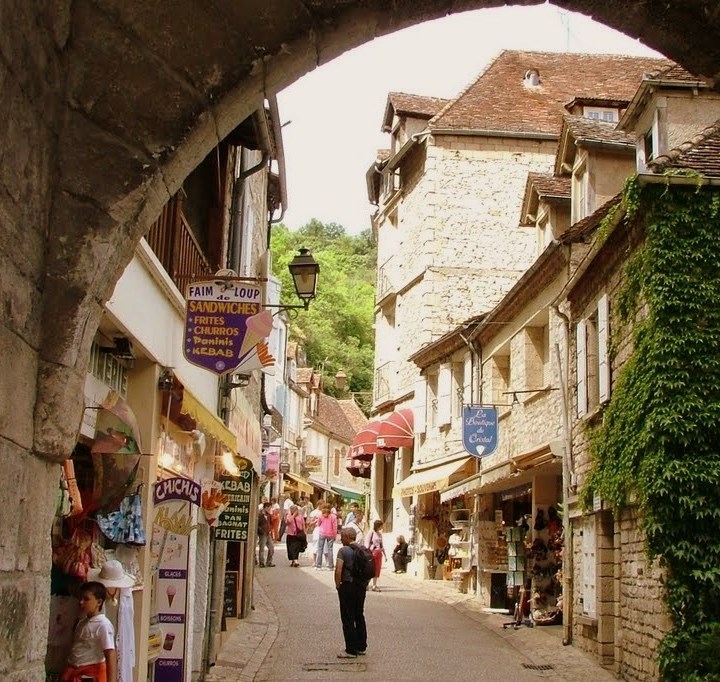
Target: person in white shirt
x: 93, y: 652
x: 357, y: 523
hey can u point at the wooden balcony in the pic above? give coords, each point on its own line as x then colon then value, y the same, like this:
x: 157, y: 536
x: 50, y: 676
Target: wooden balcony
x: 174, y: 243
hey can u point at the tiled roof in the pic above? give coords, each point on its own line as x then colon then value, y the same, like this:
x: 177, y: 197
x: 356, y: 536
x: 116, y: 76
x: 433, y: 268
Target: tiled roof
x: 303, y: 375
x: 673, y: 72
x: 499, y: 100
x: 701, y: 154
x: 353, y: 414
x: 547, y: 185
x: 416, y: 105
x: 591, y: 130
x: 333, y: 418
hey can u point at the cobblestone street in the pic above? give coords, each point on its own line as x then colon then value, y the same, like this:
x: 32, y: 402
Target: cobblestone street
x: 416, y: 631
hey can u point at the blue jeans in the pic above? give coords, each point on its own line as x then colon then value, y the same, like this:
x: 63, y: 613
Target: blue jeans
x: 325, y: 545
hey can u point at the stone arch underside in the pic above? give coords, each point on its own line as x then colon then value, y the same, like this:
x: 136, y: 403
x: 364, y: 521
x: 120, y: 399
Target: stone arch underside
x: 151, y: 87
x: 107, y: 106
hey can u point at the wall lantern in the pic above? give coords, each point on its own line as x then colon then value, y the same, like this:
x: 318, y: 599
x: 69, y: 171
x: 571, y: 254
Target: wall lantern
x: 304, y: 270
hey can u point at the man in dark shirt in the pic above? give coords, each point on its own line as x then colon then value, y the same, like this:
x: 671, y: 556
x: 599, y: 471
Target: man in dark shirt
x: 352, y: 598
x: 265, y: 536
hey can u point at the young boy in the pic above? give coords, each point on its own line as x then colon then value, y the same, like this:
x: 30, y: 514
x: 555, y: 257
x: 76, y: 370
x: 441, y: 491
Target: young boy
x: 93, y: 654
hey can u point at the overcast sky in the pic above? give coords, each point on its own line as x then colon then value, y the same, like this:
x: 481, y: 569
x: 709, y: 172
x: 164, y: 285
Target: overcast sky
x: 334, y: 113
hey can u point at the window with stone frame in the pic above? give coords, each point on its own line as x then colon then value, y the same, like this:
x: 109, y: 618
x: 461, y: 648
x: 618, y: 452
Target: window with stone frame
x: 336, y: 462
x: 431, y: 402
x: 579, y: 193
x: 592, y: 359
x: 536, y: 354
x: 500, y: 378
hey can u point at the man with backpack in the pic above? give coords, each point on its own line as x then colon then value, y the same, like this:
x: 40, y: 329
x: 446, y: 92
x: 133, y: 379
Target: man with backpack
x: 354, y: 568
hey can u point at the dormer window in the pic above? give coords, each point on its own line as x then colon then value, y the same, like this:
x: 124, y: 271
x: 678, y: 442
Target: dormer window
x: 649, y: 146
x: 601, y: 114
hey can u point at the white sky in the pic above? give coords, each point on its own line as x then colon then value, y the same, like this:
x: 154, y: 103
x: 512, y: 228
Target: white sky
x: 335, y: 112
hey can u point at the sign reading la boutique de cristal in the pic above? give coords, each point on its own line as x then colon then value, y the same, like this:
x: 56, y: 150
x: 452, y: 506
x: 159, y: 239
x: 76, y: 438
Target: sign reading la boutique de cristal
x: 480, y: 430
x: 224, y: 322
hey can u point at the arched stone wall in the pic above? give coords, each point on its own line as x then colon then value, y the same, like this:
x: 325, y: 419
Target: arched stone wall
x: 107, y: 106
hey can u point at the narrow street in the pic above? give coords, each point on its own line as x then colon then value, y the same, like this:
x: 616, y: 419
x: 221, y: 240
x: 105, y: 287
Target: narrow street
x: 416, y: 631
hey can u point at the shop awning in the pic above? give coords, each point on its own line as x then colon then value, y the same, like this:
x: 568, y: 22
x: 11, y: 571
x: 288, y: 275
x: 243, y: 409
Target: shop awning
x: 348, y: 493
x: 364, y: 445
x: 396, y: 430
x: 465, y: 487
x: 298, y: 483
x: 320, y: 484
x: 208, y: 422
x: 428, y: 481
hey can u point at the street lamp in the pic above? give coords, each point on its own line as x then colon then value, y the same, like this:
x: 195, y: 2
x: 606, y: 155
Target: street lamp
x: 304, y: 270
x: 340, y: 380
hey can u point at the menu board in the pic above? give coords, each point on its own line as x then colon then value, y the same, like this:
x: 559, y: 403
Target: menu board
x: 234, y: 522
x: 230, y: 601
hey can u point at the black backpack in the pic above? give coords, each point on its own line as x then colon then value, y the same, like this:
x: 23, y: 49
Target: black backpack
x: 363, y: 566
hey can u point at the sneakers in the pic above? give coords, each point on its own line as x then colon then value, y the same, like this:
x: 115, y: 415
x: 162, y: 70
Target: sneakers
x: 346, y: 654
x: 261, y: 565
x: 361, y: 653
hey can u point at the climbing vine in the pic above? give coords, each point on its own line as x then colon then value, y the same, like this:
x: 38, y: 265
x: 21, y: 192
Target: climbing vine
x: 659, y: 443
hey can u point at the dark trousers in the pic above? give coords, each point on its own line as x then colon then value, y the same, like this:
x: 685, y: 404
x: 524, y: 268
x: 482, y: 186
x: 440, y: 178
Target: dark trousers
x: 401, y: 562
x: 352, y: 614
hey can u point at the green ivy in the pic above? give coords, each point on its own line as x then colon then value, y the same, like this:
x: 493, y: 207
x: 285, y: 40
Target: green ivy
x: 659, y: 443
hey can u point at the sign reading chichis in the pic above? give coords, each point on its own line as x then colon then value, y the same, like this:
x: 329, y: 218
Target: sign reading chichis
x: 224, y: 323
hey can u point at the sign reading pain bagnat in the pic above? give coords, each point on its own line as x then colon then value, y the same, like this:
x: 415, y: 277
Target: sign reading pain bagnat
x: 226, y: 326
x: 235, y: 520
x: 480, y: 430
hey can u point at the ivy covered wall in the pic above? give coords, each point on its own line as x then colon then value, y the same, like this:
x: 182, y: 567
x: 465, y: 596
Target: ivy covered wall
x: 658, y: 446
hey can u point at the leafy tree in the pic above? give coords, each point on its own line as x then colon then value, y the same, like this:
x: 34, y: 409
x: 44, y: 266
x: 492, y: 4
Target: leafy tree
x: 337, y: 330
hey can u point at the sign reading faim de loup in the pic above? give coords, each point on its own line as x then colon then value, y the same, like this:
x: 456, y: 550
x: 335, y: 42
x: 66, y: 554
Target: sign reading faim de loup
x: 224, y: 322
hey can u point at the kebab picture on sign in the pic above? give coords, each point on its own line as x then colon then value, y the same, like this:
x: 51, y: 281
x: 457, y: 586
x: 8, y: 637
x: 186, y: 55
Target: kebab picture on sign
x: 254, y: 353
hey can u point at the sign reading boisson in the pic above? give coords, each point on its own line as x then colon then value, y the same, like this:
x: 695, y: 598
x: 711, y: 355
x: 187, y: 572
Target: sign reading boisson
x: 217, y: 333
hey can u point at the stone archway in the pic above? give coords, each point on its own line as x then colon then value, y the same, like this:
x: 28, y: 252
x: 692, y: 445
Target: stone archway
x: 107, y: 107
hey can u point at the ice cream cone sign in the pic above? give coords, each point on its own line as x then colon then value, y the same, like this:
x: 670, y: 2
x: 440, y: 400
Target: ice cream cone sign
x: 170, y: 592
x: 258, y: 358
x: 257, y: 329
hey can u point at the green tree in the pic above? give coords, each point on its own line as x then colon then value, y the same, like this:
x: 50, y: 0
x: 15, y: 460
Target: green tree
x: 337, y: 330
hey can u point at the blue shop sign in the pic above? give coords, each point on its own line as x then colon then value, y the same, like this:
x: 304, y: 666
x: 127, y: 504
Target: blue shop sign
x: 480, y: 430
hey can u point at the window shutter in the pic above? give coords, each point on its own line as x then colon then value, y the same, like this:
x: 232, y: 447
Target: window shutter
x: 467, y: 379
x: 420, y: 401
x: 589, y: 568
x: 603, y: 358
x: 444, y: 408
x: 581, y: 354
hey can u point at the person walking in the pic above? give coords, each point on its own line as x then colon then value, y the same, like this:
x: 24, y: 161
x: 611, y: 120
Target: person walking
x: 400, y: 555
x: 296, y: 539
x: 354, y: 509
x: 327, y: 531
x: 351, y: 593
x: 312, y: 527
x: 375, y: 543
x: 265, y: 539
x: 275, y: 514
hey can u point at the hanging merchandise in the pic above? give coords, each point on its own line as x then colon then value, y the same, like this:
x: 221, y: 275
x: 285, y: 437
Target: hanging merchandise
x: 74, y: 556
x: 125, y: 525
x: 63, y: 506
x: 540, y: 522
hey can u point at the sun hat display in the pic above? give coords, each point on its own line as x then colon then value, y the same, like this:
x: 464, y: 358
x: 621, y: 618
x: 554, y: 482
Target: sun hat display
x: 111, y: 574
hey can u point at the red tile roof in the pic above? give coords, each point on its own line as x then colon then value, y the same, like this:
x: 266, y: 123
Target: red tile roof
x: 418, y: 106
x: 499, y: 100
x: 332, y: 416
x: 591, y: 130
x: 354, y: 414
x: 547, y: 185
x: 303, y: 375
x: 701, y: 154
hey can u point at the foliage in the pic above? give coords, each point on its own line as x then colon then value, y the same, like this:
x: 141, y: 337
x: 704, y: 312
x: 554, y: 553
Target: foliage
x: 659, y: 443
x: 337, y: 330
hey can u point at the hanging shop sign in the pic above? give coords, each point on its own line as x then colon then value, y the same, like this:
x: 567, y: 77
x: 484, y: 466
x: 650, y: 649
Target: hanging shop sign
x: 271, y: 463
x: 174, y: 499
x: 225, y: 327
x: 234, y: 522
x: 480, y: 430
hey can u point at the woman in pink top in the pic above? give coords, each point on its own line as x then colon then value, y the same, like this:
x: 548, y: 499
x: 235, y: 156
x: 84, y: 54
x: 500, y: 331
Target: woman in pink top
x: 327, y: 526
x: 295, y: 538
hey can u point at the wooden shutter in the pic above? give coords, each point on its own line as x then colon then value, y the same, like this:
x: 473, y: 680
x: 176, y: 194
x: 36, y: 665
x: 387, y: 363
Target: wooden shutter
x: 589, y: 568
x: 444, y: 405
x: 581, y: 356
x: 419, y: 405
x: 603, y: 359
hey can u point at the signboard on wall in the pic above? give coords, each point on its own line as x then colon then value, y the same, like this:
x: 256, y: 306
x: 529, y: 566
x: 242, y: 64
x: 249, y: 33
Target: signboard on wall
x: 480, y: 430
x: 172, y: 525
x: 225, y: 327
x: 235, y: 520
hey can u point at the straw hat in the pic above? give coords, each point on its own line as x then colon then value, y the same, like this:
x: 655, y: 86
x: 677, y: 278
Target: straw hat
x: 111, y: 574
